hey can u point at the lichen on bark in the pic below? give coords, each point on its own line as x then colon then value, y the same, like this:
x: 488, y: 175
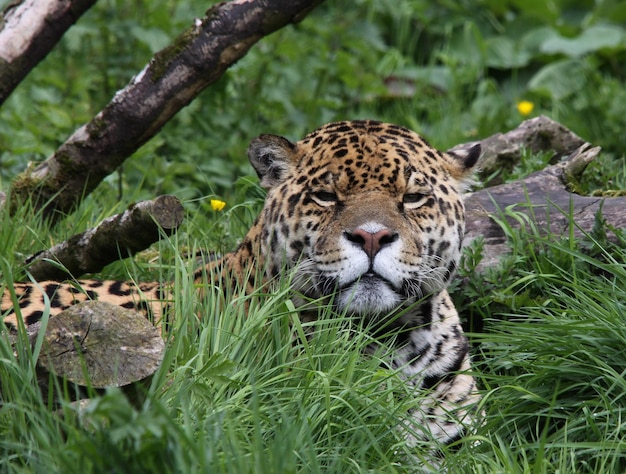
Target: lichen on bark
x: 162, y: 60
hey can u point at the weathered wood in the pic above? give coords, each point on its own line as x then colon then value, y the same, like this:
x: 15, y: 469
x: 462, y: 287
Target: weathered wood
x: 99, y: 345
x: 174, y: 76
x: 543, y: 197
x: 502, y: 151
x: 29, y: 29
x: 117, y: 237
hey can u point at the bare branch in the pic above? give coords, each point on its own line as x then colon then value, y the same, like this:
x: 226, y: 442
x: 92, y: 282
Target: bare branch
x: 117, y: 237
x: 197, y: 58
x: 29, y: 29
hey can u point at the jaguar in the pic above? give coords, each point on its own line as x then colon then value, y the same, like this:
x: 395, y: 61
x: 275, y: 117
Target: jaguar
x: 365, y: 212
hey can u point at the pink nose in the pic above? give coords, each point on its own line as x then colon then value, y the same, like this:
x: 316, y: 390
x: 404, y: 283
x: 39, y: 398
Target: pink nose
x: 371, y: 242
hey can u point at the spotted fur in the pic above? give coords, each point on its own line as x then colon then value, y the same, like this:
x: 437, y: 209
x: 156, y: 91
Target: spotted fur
x: 366, y: 212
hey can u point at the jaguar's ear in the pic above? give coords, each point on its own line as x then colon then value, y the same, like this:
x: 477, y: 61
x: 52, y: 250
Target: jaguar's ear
x: 464, y: 161
x: 272, y: 157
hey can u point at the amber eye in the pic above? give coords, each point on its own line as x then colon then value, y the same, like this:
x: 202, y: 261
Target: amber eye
x: 324, y: 198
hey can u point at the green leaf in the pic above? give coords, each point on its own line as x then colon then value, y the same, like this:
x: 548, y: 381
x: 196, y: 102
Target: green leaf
x: 533, y: 39
x: 560, y: 79
x: 58, y: 117
x: 547, y: 11
x: 591, y: 40
x: 154, y: 38
x: 504, y: 53
x: 439, y: 77
x: 467, y: 46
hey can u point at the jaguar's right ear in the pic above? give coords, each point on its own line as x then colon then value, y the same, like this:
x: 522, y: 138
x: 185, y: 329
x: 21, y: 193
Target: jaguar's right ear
x: 272, y: 157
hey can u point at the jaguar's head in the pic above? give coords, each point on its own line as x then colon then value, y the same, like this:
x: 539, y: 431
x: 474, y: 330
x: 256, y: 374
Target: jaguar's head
x: 363, y: 210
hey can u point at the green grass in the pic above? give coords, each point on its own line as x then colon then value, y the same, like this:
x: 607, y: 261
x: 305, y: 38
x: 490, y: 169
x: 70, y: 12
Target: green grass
x: 247, y: 392
x: 551, y: 356
x: 238, y: 392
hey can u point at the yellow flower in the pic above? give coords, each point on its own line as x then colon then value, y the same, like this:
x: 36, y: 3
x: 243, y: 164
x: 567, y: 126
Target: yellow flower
x: 525, y: 107
x: 217, y: 205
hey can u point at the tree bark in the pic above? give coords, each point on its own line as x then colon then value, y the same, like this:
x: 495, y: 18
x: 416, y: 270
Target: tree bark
x: 29, y: 31
x: 503, y: 151
x: 174, y: 76
x: 117, y: 237
x: 545, y: 203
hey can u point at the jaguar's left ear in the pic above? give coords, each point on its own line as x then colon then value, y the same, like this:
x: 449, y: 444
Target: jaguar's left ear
x: 272, y: 157
x: 464, y: 162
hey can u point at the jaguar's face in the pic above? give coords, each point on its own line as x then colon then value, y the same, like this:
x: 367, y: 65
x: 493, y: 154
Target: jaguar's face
x: 367, y: 212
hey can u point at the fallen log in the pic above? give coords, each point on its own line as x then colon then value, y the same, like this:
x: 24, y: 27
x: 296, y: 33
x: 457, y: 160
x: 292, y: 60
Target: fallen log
x: 116, y: 237
x: 502, y: 151
x: 544, y: 197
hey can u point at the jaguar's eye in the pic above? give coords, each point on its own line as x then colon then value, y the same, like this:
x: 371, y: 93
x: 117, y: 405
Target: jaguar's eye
x: 414, y: 200
x: 324, y: 198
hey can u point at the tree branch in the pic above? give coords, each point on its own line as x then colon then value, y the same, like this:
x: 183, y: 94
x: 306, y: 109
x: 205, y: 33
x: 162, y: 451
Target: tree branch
x: 117, y: 237
x: 28, y: 32
x: 174, y: 76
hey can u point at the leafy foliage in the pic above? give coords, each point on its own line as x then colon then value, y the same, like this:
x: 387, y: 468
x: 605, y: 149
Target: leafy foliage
x: 235, y: 393
x: 450, y: 80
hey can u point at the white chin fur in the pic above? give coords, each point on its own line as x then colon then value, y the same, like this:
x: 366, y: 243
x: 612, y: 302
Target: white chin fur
x: 368, y: 298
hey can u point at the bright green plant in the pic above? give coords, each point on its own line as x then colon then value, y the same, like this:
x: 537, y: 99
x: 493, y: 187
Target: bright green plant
x: 551, y: 352
x: 237, y: 394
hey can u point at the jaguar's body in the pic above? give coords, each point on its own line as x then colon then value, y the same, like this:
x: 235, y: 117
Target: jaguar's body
x: 366, y: 212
